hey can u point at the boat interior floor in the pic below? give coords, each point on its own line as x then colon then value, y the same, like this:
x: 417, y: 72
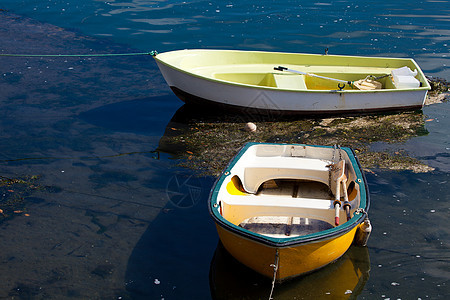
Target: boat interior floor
x: 281, y: 227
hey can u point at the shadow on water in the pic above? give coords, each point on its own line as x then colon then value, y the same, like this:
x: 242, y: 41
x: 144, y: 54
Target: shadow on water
x: 343, y: 279
x: 173, y: 255
x: 146, y: 116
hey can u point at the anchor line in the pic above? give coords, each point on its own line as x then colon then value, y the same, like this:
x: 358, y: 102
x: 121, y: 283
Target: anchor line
x: 275, y: 269
x: 156, y: 152
x: 152, y: 53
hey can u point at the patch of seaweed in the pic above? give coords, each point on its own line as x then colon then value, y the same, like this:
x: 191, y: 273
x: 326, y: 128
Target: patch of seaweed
x: 209, y: 145
x: 14, y: 193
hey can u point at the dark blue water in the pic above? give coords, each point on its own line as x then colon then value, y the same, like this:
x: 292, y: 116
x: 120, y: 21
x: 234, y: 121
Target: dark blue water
x: 116, y: 217
x: 400, y: 28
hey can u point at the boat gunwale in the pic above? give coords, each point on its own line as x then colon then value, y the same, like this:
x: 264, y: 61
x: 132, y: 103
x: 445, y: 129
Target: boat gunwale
x: 324, y: 235
x: 426, y: 87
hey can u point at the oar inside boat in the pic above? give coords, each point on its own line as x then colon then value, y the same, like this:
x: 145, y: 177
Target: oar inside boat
x: 347, y: 206
x: 368, y: 83
x: 338, y: 178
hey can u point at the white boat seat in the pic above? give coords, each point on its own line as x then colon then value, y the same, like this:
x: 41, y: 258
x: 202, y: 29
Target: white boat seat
x: 238, y: 208
x: 266, y: 168
x: 278, y: 203
x: 290, y: 82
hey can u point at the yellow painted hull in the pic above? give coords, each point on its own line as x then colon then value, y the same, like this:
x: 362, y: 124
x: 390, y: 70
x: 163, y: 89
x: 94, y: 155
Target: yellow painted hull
x: 293, y: 260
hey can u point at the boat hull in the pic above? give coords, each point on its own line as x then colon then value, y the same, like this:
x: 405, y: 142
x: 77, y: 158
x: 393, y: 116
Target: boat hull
x: 268, y: 109
x: 194, y: 87
x: 294, y: 260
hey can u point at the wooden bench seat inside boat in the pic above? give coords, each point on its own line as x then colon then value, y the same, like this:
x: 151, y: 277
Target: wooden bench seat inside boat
x: 266, y: 168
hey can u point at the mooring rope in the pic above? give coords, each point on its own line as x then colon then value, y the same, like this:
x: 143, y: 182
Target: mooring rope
x: 152, y: 53
x: 275, y: 269
x: 156, y: 152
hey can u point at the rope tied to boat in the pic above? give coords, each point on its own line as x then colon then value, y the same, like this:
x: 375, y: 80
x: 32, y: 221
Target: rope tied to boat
x: 275, y: 270
x: 152, y: 53
x: 360, y: 210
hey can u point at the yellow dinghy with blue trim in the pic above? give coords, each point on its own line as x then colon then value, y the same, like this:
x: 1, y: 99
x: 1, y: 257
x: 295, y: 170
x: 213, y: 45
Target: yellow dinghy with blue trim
x: 288, y: 209
x: 293, y: 83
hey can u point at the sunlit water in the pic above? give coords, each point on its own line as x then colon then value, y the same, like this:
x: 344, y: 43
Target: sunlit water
x: 118, y: 219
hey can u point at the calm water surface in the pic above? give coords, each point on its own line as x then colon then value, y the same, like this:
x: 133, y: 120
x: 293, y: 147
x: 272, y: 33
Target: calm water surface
x: 118, y: 219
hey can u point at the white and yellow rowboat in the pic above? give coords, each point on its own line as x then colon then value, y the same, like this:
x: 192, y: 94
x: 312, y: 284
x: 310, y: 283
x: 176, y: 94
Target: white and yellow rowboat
x: 305, y: 83
x: 286, y: 209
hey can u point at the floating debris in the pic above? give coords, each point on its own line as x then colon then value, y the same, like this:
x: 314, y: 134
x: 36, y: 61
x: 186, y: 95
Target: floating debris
x: 250, y: 127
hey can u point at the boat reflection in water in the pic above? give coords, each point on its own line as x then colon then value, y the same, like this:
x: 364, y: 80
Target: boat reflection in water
x: 343, y: 279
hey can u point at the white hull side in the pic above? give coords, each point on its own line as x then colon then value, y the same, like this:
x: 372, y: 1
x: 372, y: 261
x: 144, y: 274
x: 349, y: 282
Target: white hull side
x: 264, y: 98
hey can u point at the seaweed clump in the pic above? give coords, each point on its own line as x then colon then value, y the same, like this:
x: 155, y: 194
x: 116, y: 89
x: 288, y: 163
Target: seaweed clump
x: 13, y: 194
x: 440, y: 91
x: 438, y: 86
x: 209, y: 145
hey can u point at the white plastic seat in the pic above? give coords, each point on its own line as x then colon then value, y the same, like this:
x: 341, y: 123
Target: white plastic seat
x: 290, y: 82
x: 266, y: 168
